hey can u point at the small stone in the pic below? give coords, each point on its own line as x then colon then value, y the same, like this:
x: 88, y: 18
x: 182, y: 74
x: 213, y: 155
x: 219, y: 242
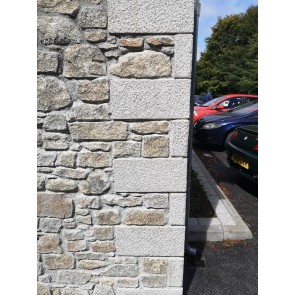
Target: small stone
x: 84, y: 219
x: 130, y: 202
x: 75, y: 147
x: 154, y: 281
x: 43, y: 289
x: 107, y: 217
x: 92, y: 18
x: 103, y: 290
x: 96, y: 146
x: 73, y: 235
x: 67, y: 159
x: 95, y: 35
x: 160, y: 40
x: 46, y: 158
x: 154, y: 265
x: 58, y: 30
x: 55, y: 141
x: 55, y: 121
x: 113, y: 53
x: 75, y: 246
x: 96, y: 183
x: 157, y: 201
x: 146, y: 64
x: 71, y: 173
x: 52, y: 94
x: 94, y: 160
x: 40, y: 182
x: 96, y: 91
x: 82, y: 61
x: 127, y: 283
x: 45, y: 278
x: 73, y: 277
x: 85, y: 112
x: 103, y: 233
x: 92, y: 264
x: 157, y: 127
x: 167, y: 50
x: 50, y: 225
x: 54, y: 205
x: 126, y: 149
x: 60, y: 6
x: 61, y: 185
x: 59, y: 261
x: 83, y: 201
x: 155, y: 147
x: 107, y: 46
x: 131, y: 42
x: 111, y: 199
x: 122, y: 271
x: 39, y: 138
x: 103, y: 247
x: 47, y: 61
x: 49, y: 243
x: 145, y: 217
x: 82, y: 212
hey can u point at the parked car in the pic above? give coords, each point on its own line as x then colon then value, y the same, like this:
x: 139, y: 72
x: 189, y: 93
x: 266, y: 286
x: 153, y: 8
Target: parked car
x: 199, y: 100
x: 216, y: 129
x: 221, y: 104
x: 242, y: 151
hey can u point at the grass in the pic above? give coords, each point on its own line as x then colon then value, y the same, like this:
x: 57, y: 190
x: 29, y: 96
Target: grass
x: 200, y: 206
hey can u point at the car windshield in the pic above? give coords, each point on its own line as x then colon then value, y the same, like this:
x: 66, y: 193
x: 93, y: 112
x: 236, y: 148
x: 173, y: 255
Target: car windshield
x: 213, y: 101
x: 246, y: 108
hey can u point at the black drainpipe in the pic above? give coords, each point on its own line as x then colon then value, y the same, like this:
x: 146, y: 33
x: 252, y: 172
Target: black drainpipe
x: 189, y: 250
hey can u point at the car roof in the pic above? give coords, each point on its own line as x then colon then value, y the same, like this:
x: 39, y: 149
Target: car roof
x: 239, y: 94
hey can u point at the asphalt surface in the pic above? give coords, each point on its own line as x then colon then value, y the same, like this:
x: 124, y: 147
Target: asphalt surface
x: 228, y: 267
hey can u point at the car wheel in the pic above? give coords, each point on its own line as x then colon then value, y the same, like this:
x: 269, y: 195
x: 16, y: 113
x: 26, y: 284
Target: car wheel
x: 228, y: 138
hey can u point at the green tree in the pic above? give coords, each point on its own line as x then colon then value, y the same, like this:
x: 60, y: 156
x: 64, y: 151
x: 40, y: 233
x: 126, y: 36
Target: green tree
x: 230, y: 62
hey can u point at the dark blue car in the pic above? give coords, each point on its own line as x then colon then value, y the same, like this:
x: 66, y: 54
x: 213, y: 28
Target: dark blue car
x: 216, y: 129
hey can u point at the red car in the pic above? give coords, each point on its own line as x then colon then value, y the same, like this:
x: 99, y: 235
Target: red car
x: 222, y: 104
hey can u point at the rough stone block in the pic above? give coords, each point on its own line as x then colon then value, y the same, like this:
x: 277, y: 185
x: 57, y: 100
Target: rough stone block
x: 99, y: 131
x: 50, y: 225
x: 131, y: 42
x: 64, y: 261
x: 160, y: 40
x: 95, y: 36
x: 183, y: 56
x: 103, y: 247
x: 47, y: 62
x: 145, y: 217
x: 148, y: 99
x: 127, y: 283
x: 107, y: 217
x: 154, y: 265
x: 175, y: 273
x: 96, y: 91
x: 177, y: 209
x: 146, y: 64
x: 40, y: 181
x: 71, y: 173
x: 93, y: 160
x: 54, y: 205
x: 91, y: 264
x: 43, y: 289
x: 55, y: 141
x: 154, y: 281
x: 49, y: 243
x: 61, y: 185
x: 96, y: 183
x: 151, y: 16
x: 155, y: 146
x: 67, y: 159
x: 157, y: 201
x: 51, y: 94
x: 103, y: 232
x: 150, y: 175
x: 75, y: 246
x: 152, y: 127
x: 58, y: 30
x: 97, y: 146
x: 73, y: 277
x: 92, y: 18
x: 150, y: 241
x: 83, y: 61
x: 60, y: 6
x: 128, y: 149
x: 103, y: 290
x: 122, y: 271
x: 55, y: 121
x: 73, y: 235
x: 85, y: 112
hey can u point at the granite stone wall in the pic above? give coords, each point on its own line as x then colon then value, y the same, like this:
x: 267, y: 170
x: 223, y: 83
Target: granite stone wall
x: 113, y: 123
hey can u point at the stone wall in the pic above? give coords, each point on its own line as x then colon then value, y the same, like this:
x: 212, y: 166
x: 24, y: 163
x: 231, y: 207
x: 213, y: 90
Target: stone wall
x: 113, y: 123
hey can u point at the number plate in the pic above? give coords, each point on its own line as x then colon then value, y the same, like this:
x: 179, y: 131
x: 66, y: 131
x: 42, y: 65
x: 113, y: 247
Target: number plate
x: 240, y: 161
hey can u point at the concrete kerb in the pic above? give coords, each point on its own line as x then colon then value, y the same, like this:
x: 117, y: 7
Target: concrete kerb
x: 228, y: 225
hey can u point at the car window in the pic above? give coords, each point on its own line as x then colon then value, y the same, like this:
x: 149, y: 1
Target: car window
x: 231, y: 103
x: 248, y: 99
x: 246, y: 110
x: 213, y: 101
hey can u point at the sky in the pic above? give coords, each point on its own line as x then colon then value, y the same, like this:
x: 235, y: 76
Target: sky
x: 211, y: 10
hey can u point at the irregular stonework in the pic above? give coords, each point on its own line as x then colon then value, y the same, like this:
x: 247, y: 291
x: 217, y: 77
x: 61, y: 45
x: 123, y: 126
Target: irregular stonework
x: 154, y: 266
x: 122, y: 271
x: 156, y: 201
x: 82, y: 61
x: 155, y: 147
x: 55, y: 141
x: 131, y: 42
x: 67, y: 159
x: 92, y: 18
x: 52, y: 225
x: 86, y: 112
x: 146, y: 64
x: 103, y: 233
x: 55, y: 122
x: 58, y: 30
x: 94, y: 160
x: 160, y: 40
x: 71, y: 173
x: 95, y: 36
x: 96, y: 183
x: 47, y: 62
x: 107, y: 217
x: 95, y: 91
x: 103, y: 247
x: 150, y: 127
x: 61, y: 185
x: 61, y: 6
x: 54, y: 261
x: 52, y: 94
x: 127, y: 149
x: 49, y: 243
x: 154, y: 281
x: 148, y: 217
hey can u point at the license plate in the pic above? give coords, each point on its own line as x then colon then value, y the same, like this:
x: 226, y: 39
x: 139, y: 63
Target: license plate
x: 240, y: 161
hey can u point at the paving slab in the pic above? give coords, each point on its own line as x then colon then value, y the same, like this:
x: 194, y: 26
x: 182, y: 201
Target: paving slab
x: 227, y: 225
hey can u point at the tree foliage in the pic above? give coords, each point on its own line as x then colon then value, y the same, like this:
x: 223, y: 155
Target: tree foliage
x: 230, y: 62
